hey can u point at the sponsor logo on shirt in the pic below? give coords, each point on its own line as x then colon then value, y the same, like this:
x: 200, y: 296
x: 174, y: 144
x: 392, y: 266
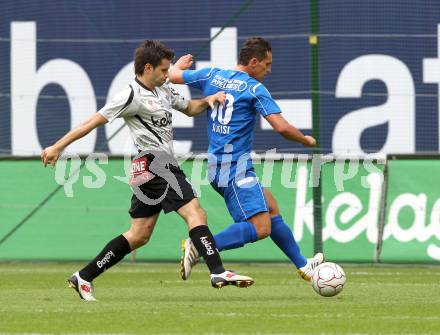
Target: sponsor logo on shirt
x: 228, y: 84
x: 162, y: 122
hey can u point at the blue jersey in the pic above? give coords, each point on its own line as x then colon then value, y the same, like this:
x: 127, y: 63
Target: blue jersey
x: 230, y: 128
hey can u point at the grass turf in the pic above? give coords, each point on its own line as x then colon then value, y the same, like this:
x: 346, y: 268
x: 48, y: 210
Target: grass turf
x: 151, y: 299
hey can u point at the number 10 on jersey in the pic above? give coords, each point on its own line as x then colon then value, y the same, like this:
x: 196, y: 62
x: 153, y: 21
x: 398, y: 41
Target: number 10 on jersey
x: 223, y: 114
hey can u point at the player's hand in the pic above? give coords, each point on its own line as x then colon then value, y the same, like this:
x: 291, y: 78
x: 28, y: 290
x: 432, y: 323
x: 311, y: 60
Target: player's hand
x: 50, y: 155
x: 310, y: 141
x: 219, y: 97
x: 184, y: 62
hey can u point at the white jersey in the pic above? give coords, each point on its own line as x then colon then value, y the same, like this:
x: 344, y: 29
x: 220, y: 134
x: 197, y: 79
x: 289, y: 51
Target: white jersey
x: 147, y: 113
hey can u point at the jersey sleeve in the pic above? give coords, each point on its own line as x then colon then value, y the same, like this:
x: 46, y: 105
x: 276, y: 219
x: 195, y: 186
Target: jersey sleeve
x: 198, y: 78
x: 177, y: 100
x: 263, y: 101
x: 119, y: 105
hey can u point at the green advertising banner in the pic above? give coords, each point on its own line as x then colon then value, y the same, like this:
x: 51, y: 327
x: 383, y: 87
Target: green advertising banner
x: 92, y: 208
x: 412, y: 228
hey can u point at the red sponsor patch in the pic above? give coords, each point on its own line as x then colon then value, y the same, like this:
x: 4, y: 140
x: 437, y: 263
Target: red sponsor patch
x: 139, y: 172
x: 138, y: 166
x: 85, y: 288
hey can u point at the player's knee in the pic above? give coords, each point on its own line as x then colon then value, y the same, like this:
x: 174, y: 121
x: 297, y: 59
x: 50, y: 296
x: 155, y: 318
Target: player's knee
x: 263, y: 231
x: 262, y: 224
x: 263, y: 228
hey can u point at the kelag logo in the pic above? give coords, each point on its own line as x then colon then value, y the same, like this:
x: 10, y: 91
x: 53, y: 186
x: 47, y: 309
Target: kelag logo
x: 352, y: 214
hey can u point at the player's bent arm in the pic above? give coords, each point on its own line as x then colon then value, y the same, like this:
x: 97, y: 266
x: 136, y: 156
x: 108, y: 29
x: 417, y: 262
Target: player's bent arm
x: 175, y: 74
x: 195, y: 107
x: 288, y: 131
x: 198, y: 106
x: 51, y: 154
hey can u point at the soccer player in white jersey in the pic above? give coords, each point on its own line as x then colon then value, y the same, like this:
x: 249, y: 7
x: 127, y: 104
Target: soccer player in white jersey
x: 230, y: 128
x: 158, y: 183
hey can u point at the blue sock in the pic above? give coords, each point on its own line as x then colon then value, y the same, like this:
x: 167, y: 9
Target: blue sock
x: 235, y: 236
x: 283, y: 238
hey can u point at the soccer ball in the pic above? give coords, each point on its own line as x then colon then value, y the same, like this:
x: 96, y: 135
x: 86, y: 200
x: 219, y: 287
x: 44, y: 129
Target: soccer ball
x: 328, y: 279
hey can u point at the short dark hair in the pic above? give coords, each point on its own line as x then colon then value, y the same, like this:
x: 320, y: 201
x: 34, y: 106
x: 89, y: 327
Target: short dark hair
x: 256, y: 47
x: 152, y: 52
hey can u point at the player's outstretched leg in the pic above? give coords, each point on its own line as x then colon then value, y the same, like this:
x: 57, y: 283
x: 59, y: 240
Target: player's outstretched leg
x: 83, y: 287
x: 283, y: 237
x: 306, y: 272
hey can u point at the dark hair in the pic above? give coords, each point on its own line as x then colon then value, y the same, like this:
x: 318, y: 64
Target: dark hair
x: 253, y: 47
x: 151, y: 52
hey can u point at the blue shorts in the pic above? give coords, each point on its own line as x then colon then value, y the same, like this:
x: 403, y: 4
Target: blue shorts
x: 244, y: 198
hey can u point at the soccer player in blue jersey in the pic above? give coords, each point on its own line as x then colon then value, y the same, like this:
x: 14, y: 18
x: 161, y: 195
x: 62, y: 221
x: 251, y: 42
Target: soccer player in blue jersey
x: 230, y: 131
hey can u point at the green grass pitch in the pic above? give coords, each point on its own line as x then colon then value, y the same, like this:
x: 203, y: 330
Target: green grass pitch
x: 152, y: 299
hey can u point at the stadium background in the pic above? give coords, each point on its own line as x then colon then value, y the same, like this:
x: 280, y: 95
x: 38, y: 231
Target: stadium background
x: 378, y: 93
